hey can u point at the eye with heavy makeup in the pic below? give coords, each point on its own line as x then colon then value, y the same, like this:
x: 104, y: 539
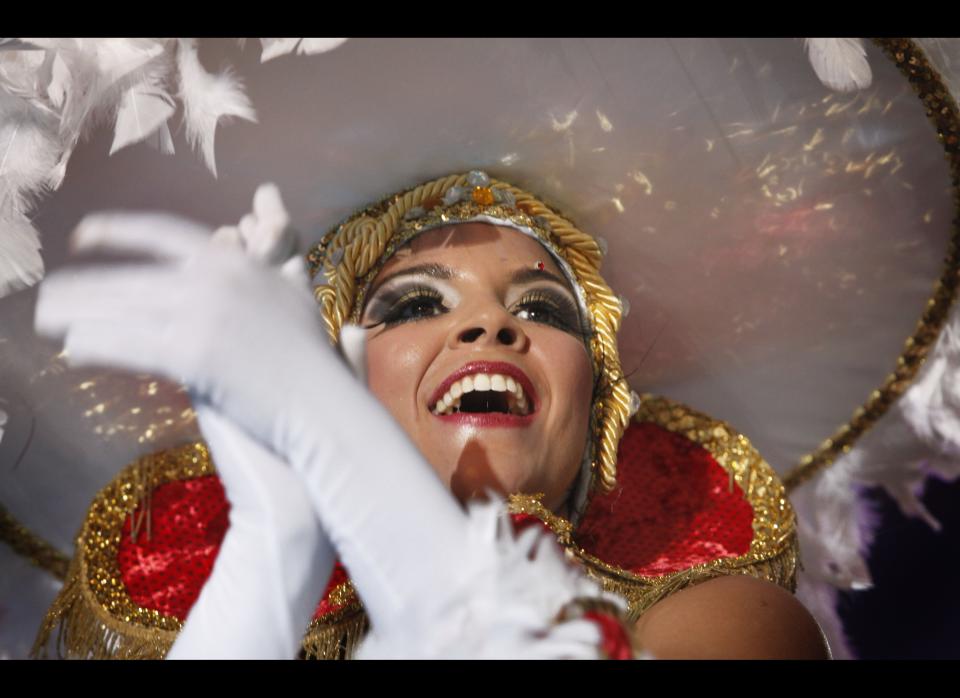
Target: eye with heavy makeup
x: 416, y: 300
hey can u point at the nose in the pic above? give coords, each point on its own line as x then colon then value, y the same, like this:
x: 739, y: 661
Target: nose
x: 490, y: 328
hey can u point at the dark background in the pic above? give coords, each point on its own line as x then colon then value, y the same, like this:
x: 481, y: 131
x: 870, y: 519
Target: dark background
x: 913, y: 611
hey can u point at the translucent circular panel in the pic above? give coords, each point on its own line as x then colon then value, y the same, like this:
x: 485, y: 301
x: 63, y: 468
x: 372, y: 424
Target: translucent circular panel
x: 776, y: 241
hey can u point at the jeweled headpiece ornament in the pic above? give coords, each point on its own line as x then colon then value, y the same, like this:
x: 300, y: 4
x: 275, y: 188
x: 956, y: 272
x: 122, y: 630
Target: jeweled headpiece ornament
x: 348, y: 258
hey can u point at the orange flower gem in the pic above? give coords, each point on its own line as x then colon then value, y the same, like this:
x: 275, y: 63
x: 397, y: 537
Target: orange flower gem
x: 482, y: 196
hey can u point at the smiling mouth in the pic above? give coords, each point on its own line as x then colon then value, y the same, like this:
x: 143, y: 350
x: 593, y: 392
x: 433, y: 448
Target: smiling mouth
x: 484, y: 393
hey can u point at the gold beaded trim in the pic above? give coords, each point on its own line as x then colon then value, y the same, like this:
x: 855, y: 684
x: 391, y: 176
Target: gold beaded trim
x: 773, y: 553
x: 352, y: 254
x: 338, y: 634
x: 93, y: 613
x: 942, y: 112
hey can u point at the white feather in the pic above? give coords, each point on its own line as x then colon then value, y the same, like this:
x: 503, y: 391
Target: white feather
x: 833, y: 528
x: 841, y: 64
x: 161, y: 140
x: 505, y: 608
x: 273, y: 48
x: 207, y: 99
x: 20, y: 263
x: 3, y: 422
x: 144, y: 108
x: 29, y: 151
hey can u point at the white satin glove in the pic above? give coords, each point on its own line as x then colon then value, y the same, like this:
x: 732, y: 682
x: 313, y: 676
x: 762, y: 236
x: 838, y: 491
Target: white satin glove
x: 274, y: 561
x: 251, y: 343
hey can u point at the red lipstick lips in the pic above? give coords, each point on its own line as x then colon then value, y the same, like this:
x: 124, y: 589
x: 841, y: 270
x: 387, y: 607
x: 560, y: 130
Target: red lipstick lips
x: 488, y: 419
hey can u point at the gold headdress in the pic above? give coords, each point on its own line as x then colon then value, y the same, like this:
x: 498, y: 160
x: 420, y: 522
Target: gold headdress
x: 348, y: 258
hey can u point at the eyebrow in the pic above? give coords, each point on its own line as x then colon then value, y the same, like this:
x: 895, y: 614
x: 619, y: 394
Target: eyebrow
x: 434, y: 270
x: 531, y: 274
x: 439, y: 271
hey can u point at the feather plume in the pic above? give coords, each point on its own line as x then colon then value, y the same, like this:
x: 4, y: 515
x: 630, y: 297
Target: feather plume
x: 29, y: 151
x: 20, y: 263
x: 207, y: 99
x: 3, y: 422
x: 841, y: 64
x: 144, y: 109
x: 506, y: 606
x: 274, y: 48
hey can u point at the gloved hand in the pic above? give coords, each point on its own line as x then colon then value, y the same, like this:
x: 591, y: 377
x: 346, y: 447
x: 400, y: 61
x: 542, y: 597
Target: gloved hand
x: 274, y: 561
x: 275, y: 558
x: 251, y: 343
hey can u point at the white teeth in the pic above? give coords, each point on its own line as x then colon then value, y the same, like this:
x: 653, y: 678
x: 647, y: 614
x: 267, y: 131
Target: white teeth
x: 516, y: 399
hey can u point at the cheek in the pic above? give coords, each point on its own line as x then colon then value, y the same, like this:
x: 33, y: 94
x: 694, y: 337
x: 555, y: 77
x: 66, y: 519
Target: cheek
x: 395, y: 367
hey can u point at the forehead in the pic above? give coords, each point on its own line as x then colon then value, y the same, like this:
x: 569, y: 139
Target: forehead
x: 467, y: 245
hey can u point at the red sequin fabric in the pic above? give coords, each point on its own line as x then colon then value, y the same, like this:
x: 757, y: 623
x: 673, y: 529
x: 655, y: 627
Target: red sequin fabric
x: 165, y: 570
x: 674, y: 507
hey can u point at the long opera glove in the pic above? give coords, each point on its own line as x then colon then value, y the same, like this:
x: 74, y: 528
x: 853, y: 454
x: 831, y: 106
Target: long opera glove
x: 273, y: 562
x: 251, y: 343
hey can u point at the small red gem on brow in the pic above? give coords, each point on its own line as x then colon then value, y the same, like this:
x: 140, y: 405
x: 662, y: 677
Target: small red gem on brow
x: 540, y: 266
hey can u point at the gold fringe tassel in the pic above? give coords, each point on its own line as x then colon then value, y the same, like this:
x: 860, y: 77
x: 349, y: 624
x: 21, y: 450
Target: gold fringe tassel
x: 84, y: 630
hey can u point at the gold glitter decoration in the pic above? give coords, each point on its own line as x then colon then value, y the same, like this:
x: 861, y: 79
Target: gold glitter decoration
x: 351, y: 254
x: 337, y: 635
x: 942, y: 111
x: 93, y: 613
x: 773, y: 553
x: 94, y: 616
x: 29, y: 545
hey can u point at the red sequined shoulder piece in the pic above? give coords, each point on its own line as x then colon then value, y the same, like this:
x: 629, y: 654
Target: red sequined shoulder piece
x: 166, y: 564
x: 165, y: 567
x: 674, y: 507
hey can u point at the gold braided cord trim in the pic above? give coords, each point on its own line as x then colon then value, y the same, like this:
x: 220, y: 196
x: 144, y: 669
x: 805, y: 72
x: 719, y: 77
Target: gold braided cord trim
x: 93, y: 613
x: 29, y: 545
x: 942, y: 112
x: 773, y: 553
x: 337, y: 635
x: 352, y: 254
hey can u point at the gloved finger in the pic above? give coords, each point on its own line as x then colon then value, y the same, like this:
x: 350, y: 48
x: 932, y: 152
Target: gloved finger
x: 295, y: 269
x: 248, y: 230
x: 279, y: 238
x: 269, y: 208
x: 228, y: 236
x: 131, y: 346
x: 157, y: 234
x: 68, y: 297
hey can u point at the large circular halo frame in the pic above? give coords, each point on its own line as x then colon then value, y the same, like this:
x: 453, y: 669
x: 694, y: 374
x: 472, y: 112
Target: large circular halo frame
x: 775, y: 241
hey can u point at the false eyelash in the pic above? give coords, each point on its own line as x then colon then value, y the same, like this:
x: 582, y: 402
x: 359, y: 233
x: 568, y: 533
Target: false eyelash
x: 391, y: 305
x: 567, y: 318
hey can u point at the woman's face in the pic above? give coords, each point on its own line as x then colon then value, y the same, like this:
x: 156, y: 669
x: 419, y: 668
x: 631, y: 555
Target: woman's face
x: 476, y: 348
